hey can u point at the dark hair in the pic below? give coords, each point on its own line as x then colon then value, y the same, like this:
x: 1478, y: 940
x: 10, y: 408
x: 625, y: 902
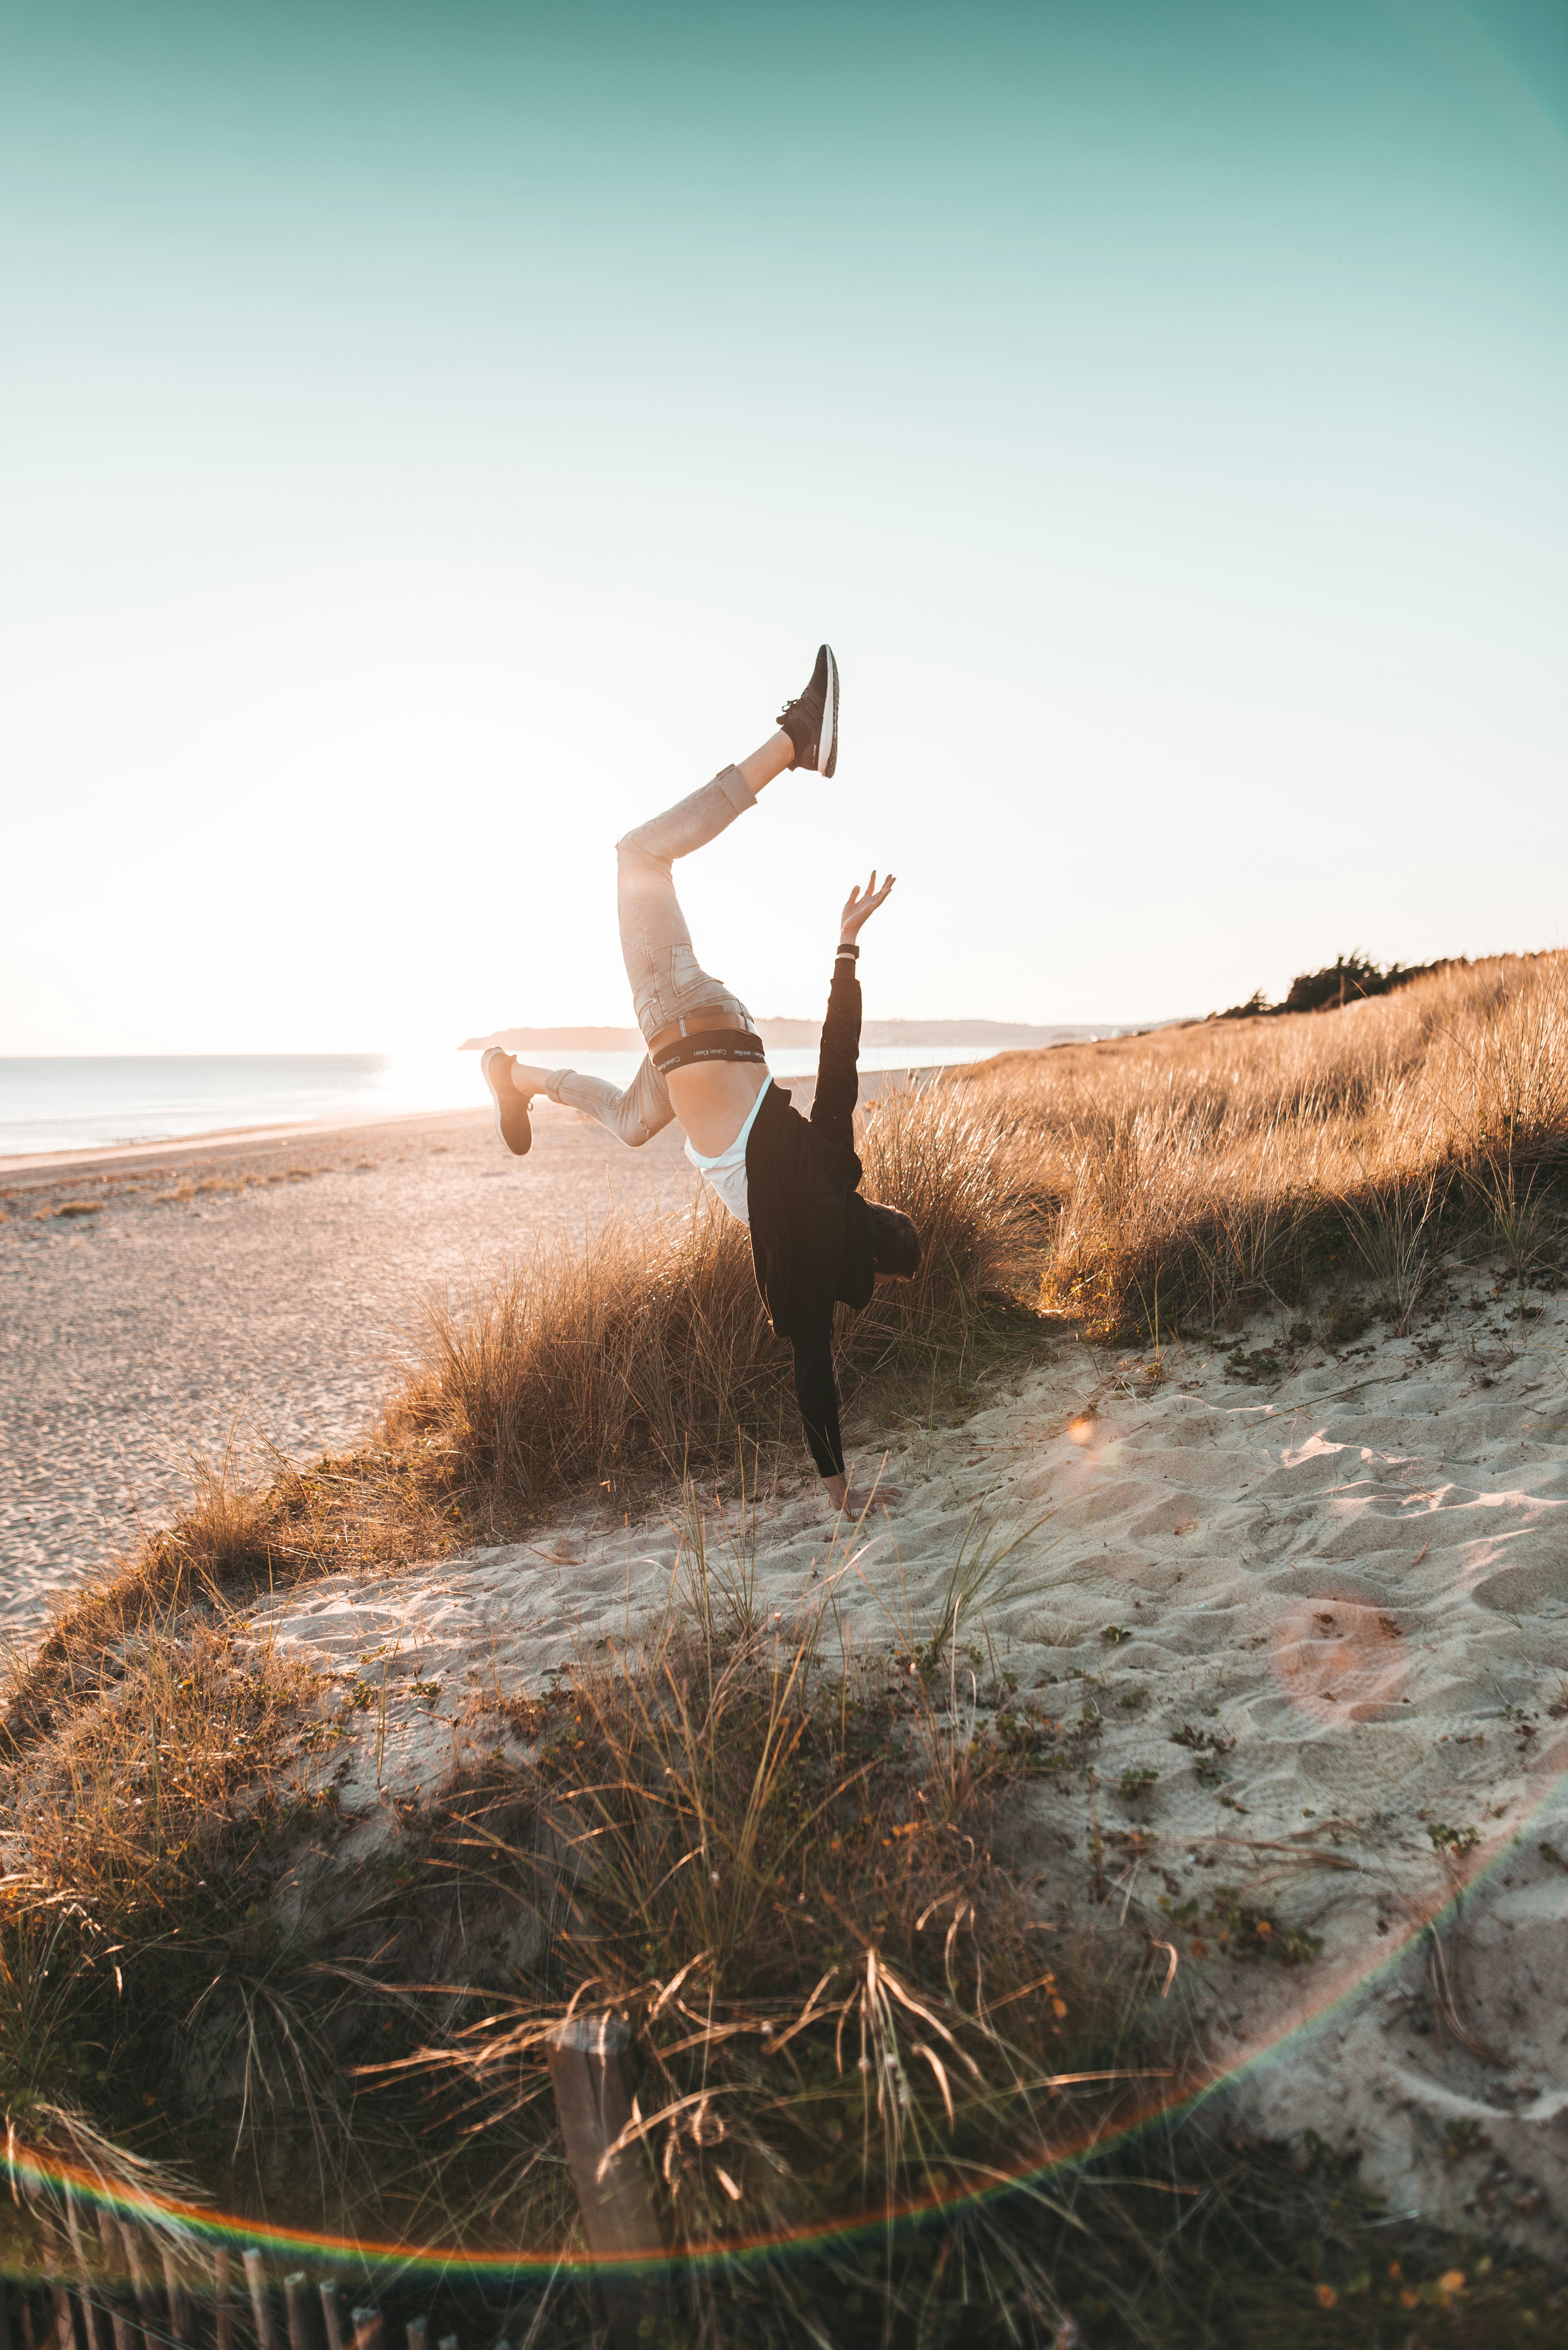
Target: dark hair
x: 895, y: 1243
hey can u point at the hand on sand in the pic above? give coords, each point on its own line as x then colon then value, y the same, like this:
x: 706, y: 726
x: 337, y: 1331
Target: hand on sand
x: 859, y: 1499
x: 859, y: 909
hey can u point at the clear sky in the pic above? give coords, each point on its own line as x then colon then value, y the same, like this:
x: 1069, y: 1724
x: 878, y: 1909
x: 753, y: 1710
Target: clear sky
x: 434, y: 437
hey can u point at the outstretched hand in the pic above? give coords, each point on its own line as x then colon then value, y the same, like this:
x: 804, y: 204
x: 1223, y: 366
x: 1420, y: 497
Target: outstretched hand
x: 855, y: 1501
x: 858, y: 908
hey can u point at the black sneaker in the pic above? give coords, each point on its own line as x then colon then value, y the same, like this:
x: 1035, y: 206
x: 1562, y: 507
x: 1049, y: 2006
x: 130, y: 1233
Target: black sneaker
x: 812, y: 722
x: 511, y: 1110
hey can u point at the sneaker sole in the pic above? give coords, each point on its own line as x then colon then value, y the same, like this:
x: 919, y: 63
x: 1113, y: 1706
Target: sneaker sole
x: 827, y: 741
x: 520, y: 1114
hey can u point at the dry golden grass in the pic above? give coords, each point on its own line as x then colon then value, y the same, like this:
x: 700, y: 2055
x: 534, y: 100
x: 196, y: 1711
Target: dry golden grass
x: 252, y: 1523
x: 777, y: 1864
x: 650, y: 1351
x: 1196, y: 1172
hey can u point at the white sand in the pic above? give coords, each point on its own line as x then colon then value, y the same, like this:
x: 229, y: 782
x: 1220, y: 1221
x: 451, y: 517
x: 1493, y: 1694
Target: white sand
x: 1358, y: 1572
x: 247, y: 1287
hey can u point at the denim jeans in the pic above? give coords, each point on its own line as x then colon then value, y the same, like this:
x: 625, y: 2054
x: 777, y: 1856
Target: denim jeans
x: 667, y: 983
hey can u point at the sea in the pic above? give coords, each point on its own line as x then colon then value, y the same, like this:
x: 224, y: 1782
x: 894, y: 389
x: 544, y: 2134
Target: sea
x: 85, y: 1103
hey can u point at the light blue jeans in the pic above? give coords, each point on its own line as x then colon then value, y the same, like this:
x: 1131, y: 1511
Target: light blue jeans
x: 667, y: 983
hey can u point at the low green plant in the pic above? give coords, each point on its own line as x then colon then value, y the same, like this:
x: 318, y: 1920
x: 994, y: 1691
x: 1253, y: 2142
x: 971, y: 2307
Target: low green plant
x: 1344, y: 1320
x: 1458, y: 1841
x: 1244, y: 1931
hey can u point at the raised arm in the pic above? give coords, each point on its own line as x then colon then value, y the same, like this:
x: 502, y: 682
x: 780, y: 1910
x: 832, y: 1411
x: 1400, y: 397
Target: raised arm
x: 838, y: 1078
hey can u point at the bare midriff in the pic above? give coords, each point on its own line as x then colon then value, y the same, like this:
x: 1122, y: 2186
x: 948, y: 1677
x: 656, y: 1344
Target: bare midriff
x: 711, y: 1098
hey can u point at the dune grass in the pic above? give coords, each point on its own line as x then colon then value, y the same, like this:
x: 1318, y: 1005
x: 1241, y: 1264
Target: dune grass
x: 876, y: 2105
x: 1196, y: 1173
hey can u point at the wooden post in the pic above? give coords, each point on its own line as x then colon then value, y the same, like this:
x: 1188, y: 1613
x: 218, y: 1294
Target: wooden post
x: 112, y: 2261
x: 302, y: 2320
x: 62, y: 2327
x: 331, y: 2314
x: 261, y: 2307
x: 145, y: 2309
x: 74, y: 2232
x: 179, y: 2305
x: 448, y: 2342
x: 91, y: 2301
x: 418, y: 2330
x: 366, y: 2329
x: 222, y: 2307
x: 591, y: 2073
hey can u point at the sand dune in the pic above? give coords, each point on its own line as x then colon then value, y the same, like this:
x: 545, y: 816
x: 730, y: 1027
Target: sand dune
x: 1345, y: 1587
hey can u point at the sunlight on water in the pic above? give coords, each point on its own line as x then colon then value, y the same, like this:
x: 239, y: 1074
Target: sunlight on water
x: 83, y: 1103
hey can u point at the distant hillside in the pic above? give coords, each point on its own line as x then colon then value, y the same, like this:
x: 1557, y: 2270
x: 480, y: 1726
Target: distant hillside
x: 531, y: 1042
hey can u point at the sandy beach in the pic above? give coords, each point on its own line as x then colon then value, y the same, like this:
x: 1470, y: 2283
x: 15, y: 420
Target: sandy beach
x: 251, y: 1284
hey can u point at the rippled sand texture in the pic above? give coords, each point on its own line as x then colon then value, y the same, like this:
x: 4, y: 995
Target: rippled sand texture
x: 259, y: 1288
x: 1329, y: 1610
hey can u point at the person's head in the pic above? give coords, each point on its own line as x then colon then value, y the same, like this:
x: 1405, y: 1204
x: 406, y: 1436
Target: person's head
x: 894, y: 1242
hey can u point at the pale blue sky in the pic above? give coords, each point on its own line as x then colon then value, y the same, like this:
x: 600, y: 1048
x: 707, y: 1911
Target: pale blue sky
x: 432, y: 438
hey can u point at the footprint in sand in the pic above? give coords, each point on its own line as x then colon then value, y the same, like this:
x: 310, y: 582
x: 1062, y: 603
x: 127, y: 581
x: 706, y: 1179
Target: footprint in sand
x: 1339, y: 1660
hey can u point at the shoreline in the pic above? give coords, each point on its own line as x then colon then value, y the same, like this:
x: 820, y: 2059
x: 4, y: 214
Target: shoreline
x: 40, y: 1170
x: 51, y: 1166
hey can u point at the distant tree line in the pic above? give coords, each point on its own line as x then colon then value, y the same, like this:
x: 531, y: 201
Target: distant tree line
x: 1339, y: 983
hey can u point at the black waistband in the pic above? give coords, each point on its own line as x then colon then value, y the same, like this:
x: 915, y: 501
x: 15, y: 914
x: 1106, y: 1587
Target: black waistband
x: 710, y: 1045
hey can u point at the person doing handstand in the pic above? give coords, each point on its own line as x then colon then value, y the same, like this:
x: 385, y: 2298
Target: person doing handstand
x: 816, y: 1242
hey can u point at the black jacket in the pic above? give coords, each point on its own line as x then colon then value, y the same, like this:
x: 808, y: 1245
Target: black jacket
x: 812, y: 1241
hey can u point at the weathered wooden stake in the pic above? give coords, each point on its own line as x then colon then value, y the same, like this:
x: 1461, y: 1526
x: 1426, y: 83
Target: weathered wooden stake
x: 417, y: 2330
x: 110, y: 2262
x: 63, y: 2323
x: 297, y: 2299
x: 222, y: 2307
x: 98, y: 2314
x: 179, y: 2305
x: 146, y: 2308
x: 592, y: 2074
x: 261, y: 2307
x: 331, y: 2314
x: 62, y: 2327
x: 366, y: 2329
x: 448, y: 2342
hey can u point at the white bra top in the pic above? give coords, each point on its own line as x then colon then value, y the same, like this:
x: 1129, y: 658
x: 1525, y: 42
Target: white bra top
x: 727, y: 1173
